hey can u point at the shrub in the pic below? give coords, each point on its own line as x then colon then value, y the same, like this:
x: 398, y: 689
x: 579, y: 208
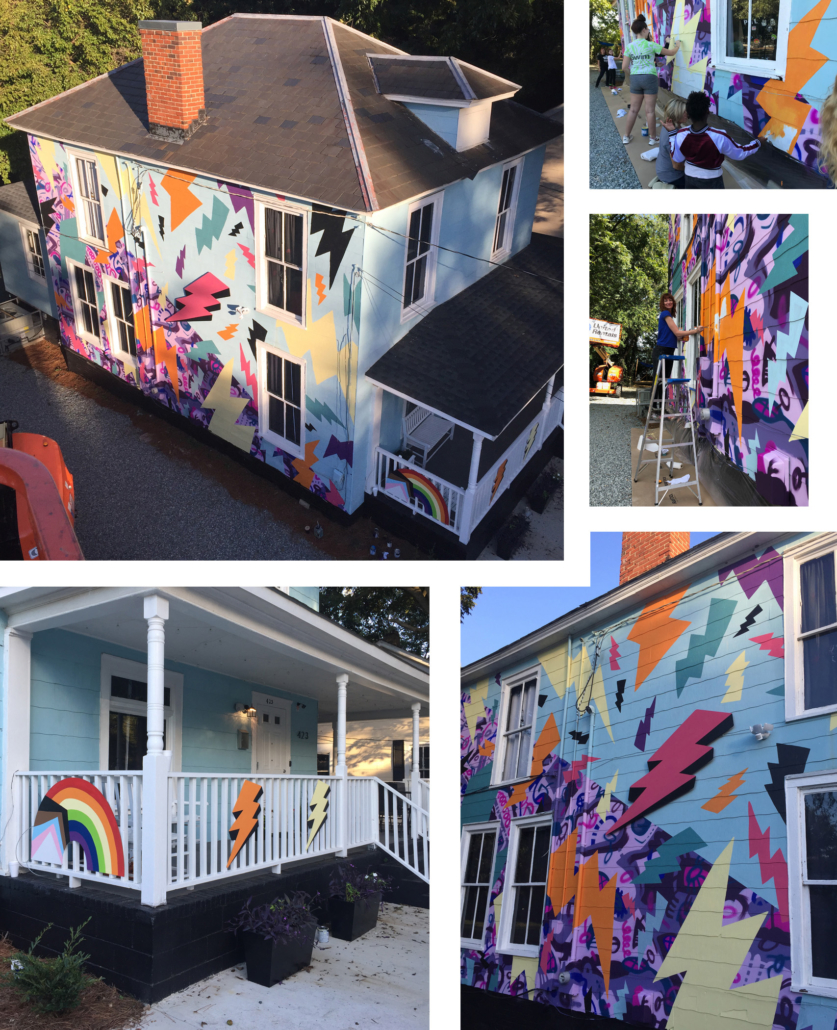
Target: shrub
x: 281, y: 920
x: 350, y: 884
x: 51, y: 984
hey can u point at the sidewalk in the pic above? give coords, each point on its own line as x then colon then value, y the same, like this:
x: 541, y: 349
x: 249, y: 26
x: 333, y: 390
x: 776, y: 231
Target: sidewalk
x: 549, y: 213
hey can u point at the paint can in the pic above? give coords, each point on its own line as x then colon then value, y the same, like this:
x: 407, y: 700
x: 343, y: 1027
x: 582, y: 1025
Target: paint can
x: 322, y: 935
x: 645, y: 131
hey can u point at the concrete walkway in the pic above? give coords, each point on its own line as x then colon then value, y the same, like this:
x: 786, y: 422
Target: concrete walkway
x: 549, y: 213
x: 379, y: 980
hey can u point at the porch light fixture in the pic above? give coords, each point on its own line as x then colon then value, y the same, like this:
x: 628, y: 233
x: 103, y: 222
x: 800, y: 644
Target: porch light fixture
x: 761, y: 731
x: 247, y: 710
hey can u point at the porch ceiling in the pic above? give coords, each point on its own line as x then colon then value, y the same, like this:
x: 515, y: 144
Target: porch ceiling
x: 252, y: 634
x: 481, y: 357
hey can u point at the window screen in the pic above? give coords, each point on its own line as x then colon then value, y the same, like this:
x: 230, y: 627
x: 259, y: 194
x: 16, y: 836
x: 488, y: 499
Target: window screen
x: 502, y: 224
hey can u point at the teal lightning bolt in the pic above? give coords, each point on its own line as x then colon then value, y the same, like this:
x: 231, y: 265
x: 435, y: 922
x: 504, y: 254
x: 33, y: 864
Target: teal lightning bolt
x: 246, y: 811
x: 211, y: 228
x: 704, y: 645
x: 318, y: 809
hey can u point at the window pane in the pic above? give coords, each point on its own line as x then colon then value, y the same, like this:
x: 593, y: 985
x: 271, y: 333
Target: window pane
x: 487, y: 857
x: 86, y: 318
x: 512, y: 172
x: 413, y: 233
x: 535, y: 915
x: 275, y: 284
x: 116, y: 300
x: 80, y: 287
x: 821, y: 835
x: 482, y: 905
x: 528, y: 703
x: 816, y: 583
x: 820, y: 669
x: 293, y: 240
x: 504, y: 190
x: 292, y: 425
x: 122, y: 329
x: 293, y: 301
x: 540, y: 859
x: 426, y: 228
x: 128, y: 740
x: 524, y: 759
x: 823, y: 939
x: 515, y: 695
x: 273, y: 233
x: 418, y: 282
x: 764, y: 30
x: 525, y: 849
x: 500, y: 234
x: 510, y: 763
x: 132, y: 341
x: 522, y: 896
x: 468, y: 910
x: 276, y: 417
x: 83, y: 184
x: 472, y: 866
x: 739, y: 16
x: 408, y: 285
x: 134, y: 690
x: 90, y: 284
x: 274, y: 374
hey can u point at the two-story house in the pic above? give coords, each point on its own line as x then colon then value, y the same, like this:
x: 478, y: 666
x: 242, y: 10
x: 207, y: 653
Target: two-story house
x: 649, y: 789
x: 314, y: 249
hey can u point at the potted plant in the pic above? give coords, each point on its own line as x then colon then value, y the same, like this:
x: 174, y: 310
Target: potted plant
x: 278, y: 936
x: 541, y: 490
x: 354, y: 900
x: 511, y: 535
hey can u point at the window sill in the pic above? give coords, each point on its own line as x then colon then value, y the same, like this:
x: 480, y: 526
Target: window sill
x: 501, y: 255
x: 282, y: 316
x: 811, y: 713
x: 503, y: 784
x: 298, y: 451
x: 92, y: 242
x: 758, y: 68
x: 520, y: 950
x: 472, y: 945
x: 417, y: 311
x: 816, y: 990
x: 36, y: 278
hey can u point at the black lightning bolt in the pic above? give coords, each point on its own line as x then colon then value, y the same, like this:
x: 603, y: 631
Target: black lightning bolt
x: 542, y: 700
x: 620, y: 693
x: 748, y: 622
x: 104, y: 191
x: 309, y: 427
x: 582, y: 738
x: 236, y: 229
x: 162, y: 223
x: 334, y: 240
x: 792, y: 760
x: 257, y: 332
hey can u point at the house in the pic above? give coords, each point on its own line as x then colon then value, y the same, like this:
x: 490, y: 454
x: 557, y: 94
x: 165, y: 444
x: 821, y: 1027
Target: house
x: 745, y: 277
x: 250, y: 225
x: 139, y: 724
x: 767, y: 68
x: 648, y: 785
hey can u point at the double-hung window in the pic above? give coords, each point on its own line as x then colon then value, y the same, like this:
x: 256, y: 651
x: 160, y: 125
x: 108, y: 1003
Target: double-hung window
x: 811, y: 802
x: 479, y: 844
x: 517, y: 717
x: 281, y: 260
x: 525, y: 891
x: 85, y: 304
x: 751, y: 36
x: 88, y: 200
x: 811, y: 627
x: 504, y: 222
x: 424, y: 761
x: 121, y: 310
x: 282, y: 399
x: 423, y: 222
x: 34, y: 255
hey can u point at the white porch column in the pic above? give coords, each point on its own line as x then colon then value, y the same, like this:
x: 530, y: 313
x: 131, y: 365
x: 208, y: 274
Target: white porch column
x: 473, y: 479
x: 341, y: 770
x: 17, y: 677
x: 156, y: 765
x: 547, y: 402
x: 415, y: 777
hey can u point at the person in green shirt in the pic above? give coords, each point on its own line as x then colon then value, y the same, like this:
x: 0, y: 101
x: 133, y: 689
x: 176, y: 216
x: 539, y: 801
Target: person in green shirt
x: 640, y: 60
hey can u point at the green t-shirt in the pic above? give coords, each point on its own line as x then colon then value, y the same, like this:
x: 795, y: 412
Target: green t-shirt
x: 642, y: 53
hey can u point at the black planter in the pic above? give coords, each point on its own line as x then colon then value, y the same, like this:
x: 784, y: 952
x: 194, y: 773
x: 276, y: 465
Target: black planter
x: 268, y: 963
x: 511, y: 535
x: 352, y: 919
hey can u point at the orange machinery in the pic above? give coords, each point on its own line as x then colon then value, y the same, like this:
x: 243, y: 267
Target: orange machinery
x: 605, y: 339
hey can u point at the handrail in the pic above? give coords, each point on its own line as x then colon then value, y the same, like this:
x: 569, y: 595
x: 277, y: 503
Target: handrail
x: 405, y: 834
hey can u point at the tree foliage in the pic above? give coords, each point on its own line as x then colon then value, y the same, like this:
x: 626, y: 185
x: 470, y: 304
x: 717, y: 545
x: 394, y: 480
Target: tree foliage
x: 628, y: 272
x: 396, y: 615
x: 467, y: 599
x: 604, y: 24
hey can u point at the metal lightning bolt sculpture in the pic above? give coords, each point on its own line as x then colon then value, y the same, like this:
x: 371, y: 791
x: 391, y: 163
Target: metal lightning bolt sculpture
x: 246, y: 810
x: 318, y: 810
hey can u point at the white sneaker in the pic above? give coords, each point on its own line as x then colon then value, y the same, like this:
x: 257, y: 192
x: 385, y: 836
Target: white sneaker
x: 627, y: 139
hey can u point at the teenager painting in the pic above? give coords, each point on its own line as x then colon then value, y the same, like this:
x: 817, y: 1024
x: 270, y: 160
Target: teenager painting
x: 703, y: 148
x: 640, y: 60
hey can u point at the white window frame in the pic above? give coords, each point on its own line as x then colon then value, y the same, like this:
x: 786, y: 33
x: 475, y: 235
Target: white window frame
x: 262, y: 304
x: 685, y: 220
x: 504, y: 249
x: 504, y: 945
x: 80, y: 330
x: 428, y: 301
x: 793, y: 558
x: 500, y: 752
x: 113, y: 333
x: 750, y: 66
x: 112, y: 665
x: 490, y: 827
x: 689, y: 320
x: 262, y: 350
x: 25, y: 229
x: 799, y: 903
x: 83, y: 229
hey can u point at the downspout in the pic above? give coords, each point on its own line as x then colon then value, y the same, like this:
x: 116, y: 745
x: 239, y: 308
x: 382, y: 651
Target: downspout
x: 585, y: 832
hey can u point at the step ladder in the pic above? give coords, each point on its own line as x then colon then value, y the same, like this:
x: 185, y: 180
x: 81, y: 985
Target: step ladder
x: 681, y: 411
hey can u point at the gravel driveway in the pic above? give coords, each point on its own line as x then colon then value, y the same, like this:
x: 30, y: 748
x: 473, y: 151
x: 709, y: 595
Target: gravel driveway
x: 134, y: 502
x: 611, y: 422
x: 610, y: 166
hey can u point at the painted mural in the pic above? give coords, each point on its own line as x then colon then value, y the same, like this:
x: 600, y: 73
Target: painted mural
x: 753, y: 374
x: 193, y: 296
x: 786, y: 111
x: 667, y: 883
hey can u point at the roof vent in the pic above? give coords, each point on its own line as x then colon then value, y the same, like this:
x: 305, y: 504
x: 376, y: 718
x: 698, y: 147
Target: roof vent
x: 173, y: 67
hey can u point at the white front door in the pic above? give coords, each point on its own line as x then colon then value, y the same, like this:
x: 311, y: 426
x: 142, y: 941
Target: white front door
x: 273, y: 735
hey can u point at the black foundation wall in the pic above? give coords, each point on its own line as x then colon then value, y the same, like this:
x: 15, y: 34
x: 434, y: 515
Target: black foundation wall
x: 488, y: 1010
x: 153, y: 952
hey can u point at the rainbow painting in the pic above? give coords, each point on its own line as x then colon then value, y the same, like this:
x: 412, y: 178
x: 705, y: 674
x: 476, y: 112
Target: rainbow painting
x: 75, y: 810
x: 427, y: 496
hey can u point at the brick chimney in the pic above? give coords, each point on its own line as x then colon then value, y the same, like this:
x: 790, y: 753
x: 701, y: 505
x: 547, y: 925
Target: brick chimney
x: 644, y: 551
x: 173, y: 65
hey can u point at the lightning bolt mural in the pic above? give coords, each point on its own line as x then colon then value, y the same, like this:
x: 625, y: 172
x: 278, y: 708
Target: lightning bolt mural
x: 305, y: 474
x: 498, y: 479
x: 200, y: 300
x: 580, y: 737
x: 249, y: 256
x: 672, y: 767
x: 257, y: 332
x: 620, y: 693
x: 774, y: 645
x: 180, y: 262
x: 709, y: 956
x: 183, y: 201
x: 772, y: 866
x: 726, y: 793
x: 614, y: 657
x: 752, y: 572
x: 319, y: 286
x: 577, y: 767
x: 229, y: 266
x: 475, y: 708
x: 792, y: 760
x: 228, y: 332
x: 644, y: 727
x: 322, y: 412
x: 246, y: 809
x: 318, y: 810
x: 161, y: 224
x: 236, y: 229
x: 748, y: 622
x: 533, y: 432
x: 344, y: 450
x: 603, y: 806
x: 249, y: 377
x: 735, y: 680
x: 152, y: 189
x: 655, y: 632
x: 211, y: 227
x: 704, y: 645
x: 585, y: 678
x: 334, y: 239
x: 548, y: 740
x: 668, y: 854
x: 227, y: 410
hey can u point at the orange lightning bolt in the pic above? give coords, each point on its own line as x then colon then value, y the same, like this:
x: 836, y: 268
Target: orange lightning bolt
x: 726, y: 794
x: 246, y: 810
x: 656, y: 631
x: 498, y: 479
x: 319, y: 283
x: 229, y: 332
x: 318, y: 809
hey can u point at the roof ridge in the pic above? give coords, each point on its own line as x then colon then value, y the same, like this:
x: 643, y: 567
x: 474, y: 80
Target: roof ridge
x: 364, y: 175
x: 72, y: 89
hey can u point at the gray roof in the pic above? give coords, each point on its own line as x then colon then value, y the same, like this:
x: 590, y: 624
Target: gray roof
x: 482, y: 356
x: 275, y: 118
x: 436, y: 78
x: 21, y: 200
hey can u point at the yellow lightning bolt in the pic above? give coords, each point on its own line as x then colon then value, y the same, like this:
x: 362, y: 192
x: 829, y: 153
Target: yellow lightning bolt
x: 735, y: 680
x: 318, y: 809
x: 603, y: 806
x: 246, y: 810
x: 229, y: 270
x: 531, y: 439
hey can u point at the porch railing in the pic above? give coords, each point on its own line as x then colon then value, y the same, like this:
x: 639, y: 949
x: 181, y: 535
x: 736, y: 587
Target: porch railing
x: 431, y: 496
x: 502, y: 473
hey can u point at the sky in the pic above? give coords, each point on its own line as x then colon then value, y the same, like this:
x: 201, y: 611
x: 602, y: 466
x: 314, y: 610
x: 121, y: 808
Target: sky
x: 504, y: 614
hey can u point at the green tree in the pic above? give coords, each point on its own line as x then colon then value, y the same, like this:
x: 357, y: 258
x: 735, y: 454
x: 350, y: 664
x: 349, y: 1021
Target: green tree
x: 604, y: 25
x: 467, y: 599
x: 396, y: 615
x: 628, y: 272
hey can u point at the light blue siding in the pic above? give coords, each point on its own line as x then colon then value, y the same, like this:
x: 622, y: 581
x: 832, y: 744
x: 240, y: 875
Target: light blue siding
x: 444, y: 121
x: 16, y: 275
x: 308, y: 595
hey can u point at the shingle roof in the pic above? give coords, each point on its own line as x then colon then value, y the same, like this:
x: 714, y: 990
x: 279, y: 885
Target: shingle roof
x: 436, y: 78
x: 481, y: 357
x: 21, y: 200
x: 275, y: 118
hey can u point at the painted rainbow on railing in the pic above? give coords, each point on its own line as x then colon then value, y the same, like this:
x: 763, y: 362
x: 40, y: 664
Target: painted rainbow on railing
x: 427, y: 495
x: 75, y: 810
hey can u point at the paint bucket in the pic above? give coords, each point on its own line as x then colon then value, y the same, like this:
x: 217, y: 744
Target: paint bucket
x: 322, y: 935
x: 645, y: 131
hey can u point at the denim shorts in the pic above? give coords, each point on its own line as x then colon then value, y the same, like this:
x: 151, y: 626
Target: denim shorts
x: 647, y: 84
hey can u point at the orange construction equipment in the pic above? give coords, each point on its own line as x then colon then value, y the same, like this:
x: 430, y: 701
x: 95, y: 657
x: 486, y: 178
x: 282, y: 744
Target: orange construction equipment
x: 33, y: 467
x: 608, y: 381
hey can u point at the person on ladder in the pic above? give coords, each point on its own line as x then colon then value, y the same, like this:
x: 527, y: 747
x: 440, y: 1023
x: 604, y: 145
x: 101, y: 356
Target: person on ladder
x: 669, y: 335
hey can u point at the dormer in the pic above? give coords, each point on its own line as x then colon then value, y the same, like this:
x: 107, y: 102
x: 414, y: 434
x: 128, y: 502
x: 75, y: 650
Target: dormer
x: 452, y: 98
